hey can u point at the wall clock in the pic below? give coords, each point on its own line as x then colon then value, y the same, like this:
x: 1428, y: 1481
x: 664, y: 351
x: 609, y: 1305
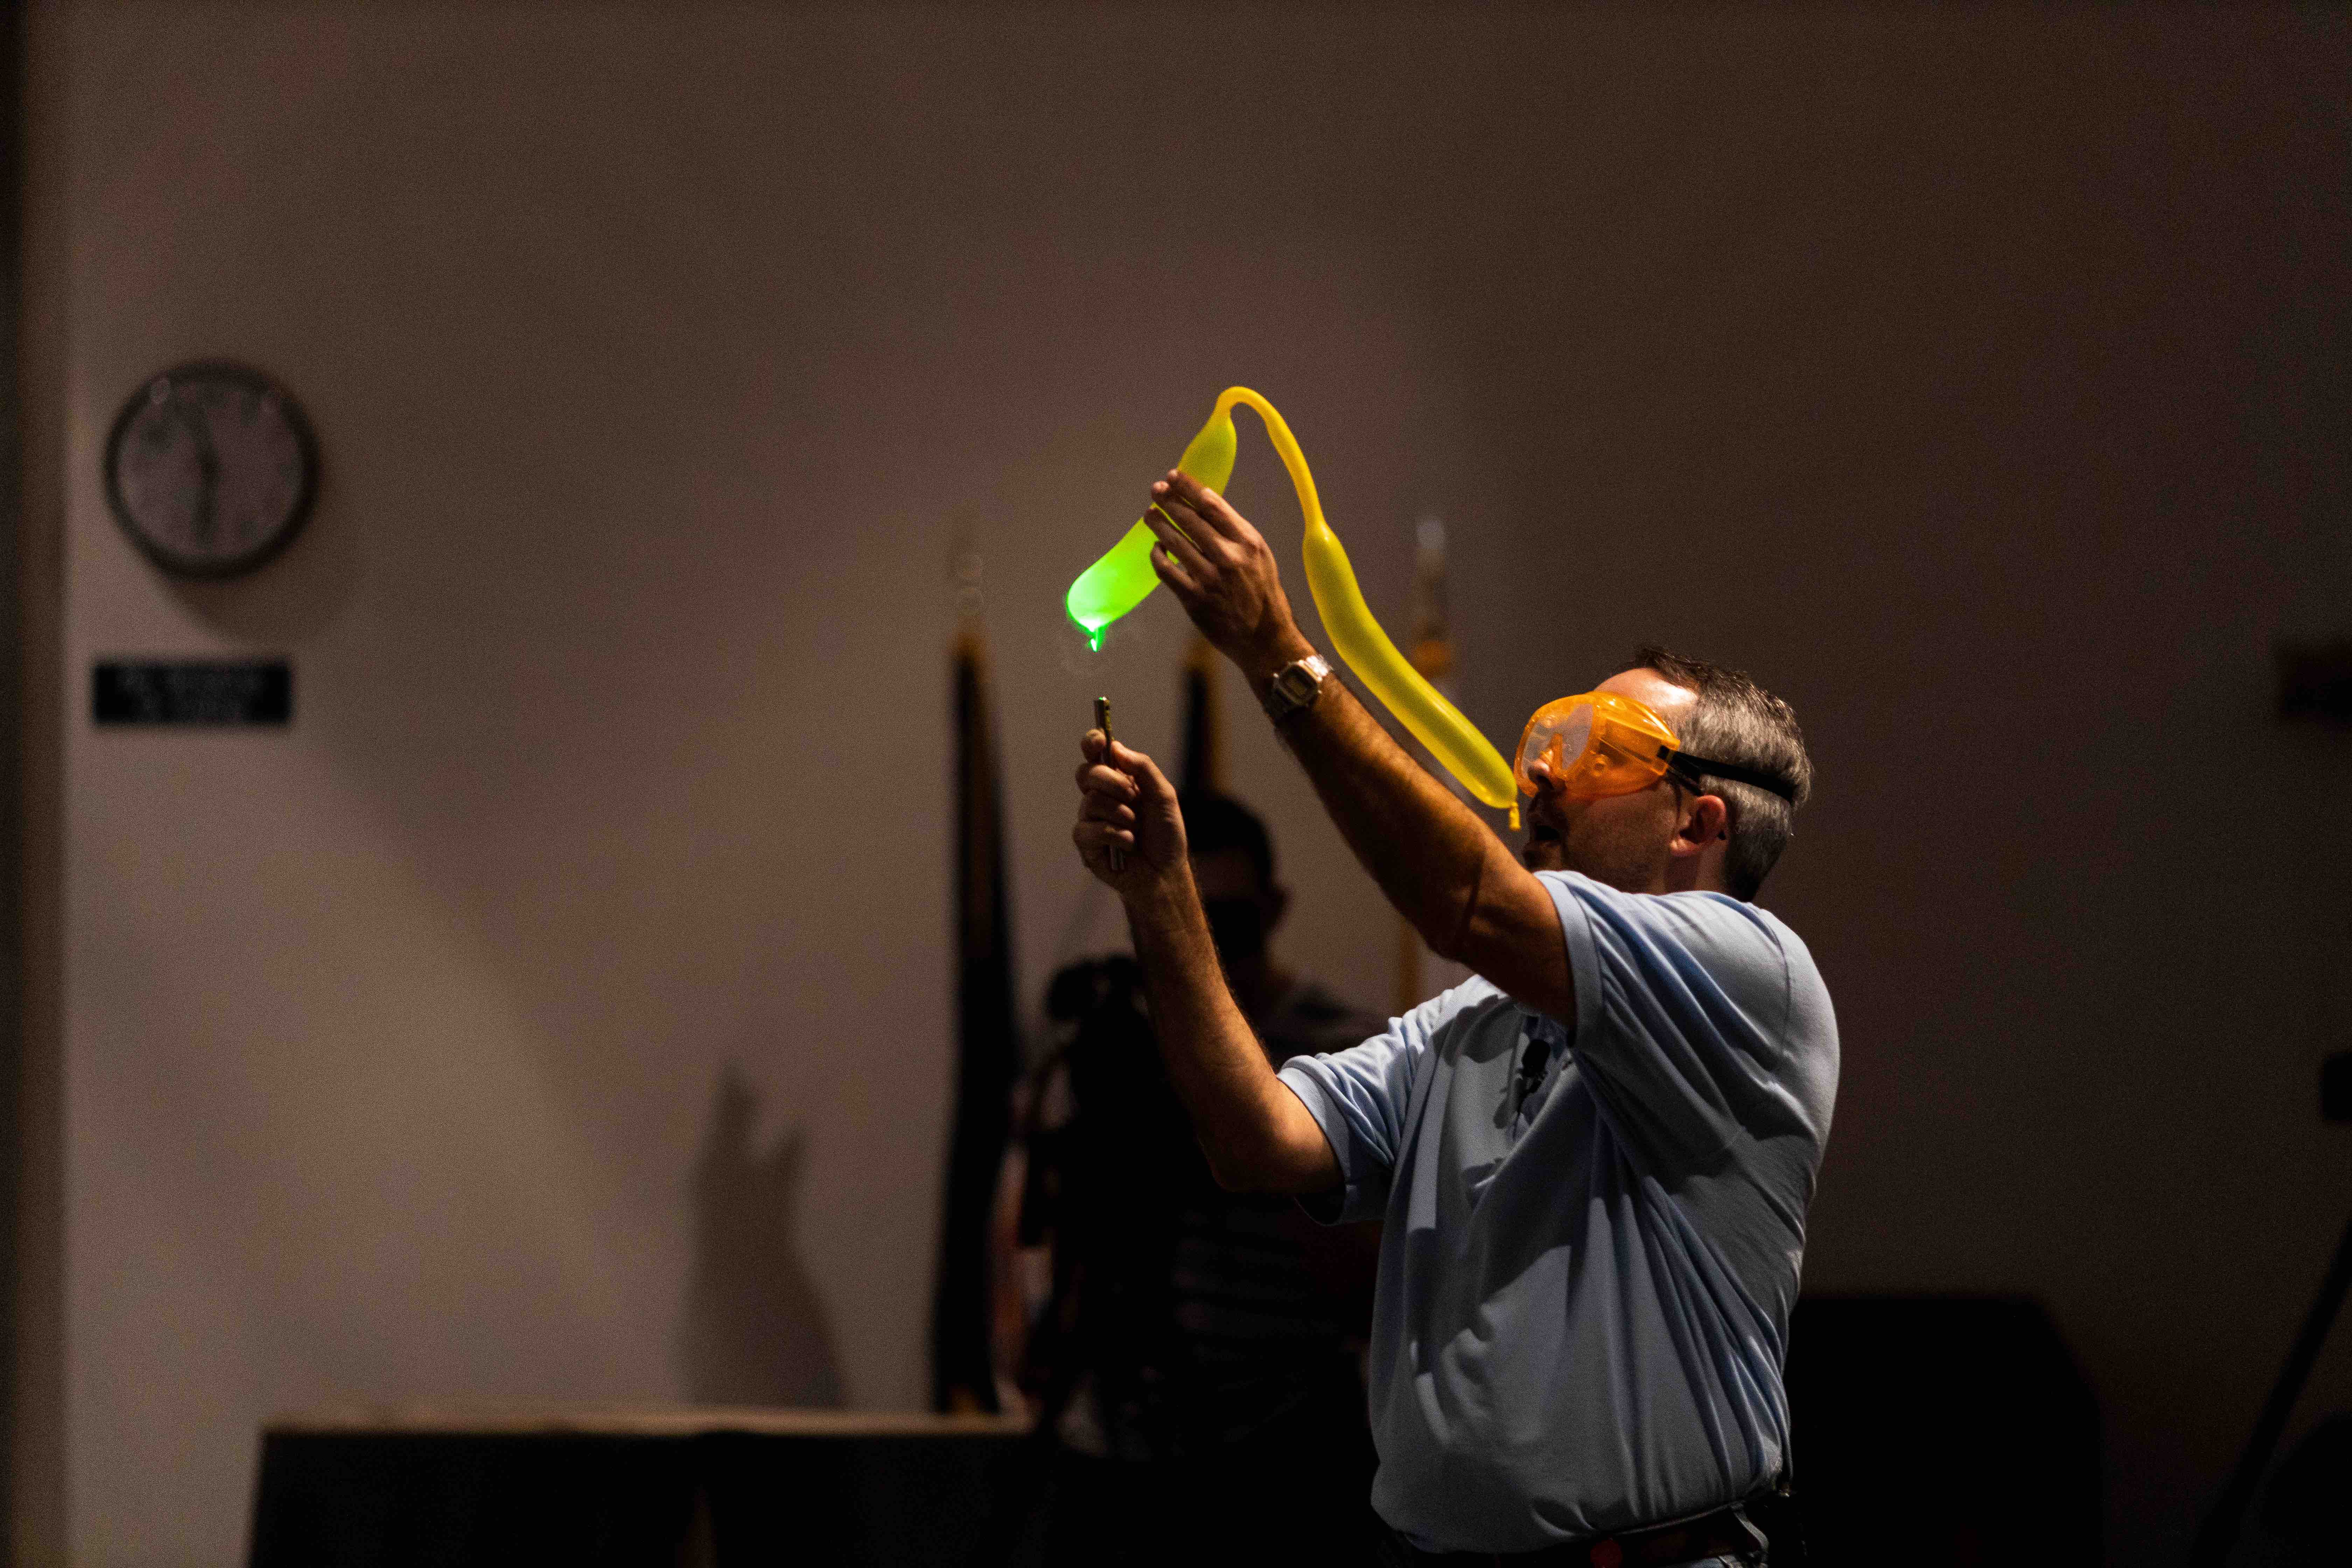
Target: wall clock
x: 211, y: 469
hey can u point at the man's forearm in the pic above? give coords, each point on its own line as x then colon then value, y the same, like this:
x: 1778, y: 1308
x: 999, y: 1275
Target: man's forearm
x: 1436, y: 861
x: 1245, y: 1118
x: 1430, y: 854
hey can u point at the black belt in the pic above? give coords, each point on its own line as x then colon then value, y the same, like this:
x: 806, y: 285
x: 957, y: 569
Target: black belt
x: 1726, y: 1531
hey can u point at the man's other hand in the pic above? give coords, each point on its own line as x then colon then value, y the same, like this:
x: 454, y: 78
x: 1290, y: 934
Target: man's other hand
x: 1125, y: 803
x: 1222, y: 571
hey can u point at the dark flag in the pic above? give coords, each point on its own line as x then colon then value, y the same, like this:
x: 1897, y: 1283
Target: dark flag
x: 987, y: 1056
x: 1204, y: 739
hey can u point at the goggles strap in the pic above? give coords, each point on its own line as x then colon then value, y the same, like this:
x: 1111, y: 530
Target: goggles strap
x: 1688, y: 768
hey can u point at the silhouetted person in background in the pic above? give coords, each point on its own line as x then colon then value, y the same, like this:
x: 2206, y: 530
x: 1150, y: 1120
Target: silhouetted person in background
x: 1199, y: 1358
x: 1594, y: 1158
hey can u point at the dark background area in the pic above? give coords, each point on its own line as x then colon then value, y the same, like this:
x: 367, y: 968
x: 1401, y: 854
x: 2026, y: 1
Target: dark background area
x: 1976, y: 379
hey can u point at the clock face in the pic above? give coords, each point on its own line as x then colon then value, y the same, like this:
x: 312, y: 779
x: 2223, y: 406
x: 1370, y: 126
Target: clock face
x: 210, y: 469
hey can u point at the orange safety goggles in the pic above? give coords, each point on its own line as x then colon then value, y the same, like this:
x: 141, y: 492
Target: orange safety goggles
x: 1599, y: 743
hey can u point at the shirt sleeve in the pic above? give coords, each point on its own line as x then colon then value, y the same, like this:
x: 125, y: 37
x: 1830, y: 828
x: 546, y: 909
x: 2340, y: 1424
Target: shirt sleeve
x: 1361, y: 1098
x: 1682, y: 1009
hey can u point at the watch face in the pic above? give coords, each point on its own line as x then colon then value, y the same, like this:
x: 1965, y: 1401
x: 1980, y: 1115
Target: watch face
x: 210, y: 469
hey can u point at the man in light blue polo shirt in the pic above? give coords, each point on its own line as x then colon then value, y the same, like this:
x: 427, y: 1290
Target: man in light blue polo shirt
x: 1594, y: 1158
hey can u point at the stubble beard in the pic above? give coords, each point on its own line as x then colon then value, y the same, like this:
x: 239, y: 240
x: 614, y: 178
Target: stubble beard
x: 1607, y: 853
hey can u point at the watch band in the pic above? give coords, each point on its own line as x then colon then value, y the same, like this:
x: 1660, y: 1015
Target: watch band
x: 1294, y: 686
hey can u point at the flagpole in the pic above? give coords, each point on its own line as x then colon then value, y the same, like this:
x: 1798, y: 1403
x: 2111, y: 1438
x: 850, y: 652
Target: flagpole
x: 1204, y: 723
x: 1431, y: 652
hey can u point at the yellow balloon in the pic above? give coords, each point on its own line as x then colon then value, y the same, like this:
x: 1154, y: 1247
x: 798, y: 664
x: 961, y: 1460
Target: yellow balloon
x: 1121, y: 579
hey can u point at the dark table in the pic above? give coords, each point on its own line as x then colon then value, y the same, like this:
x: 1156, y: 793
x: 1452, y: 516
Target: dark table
x: 680, y: 1489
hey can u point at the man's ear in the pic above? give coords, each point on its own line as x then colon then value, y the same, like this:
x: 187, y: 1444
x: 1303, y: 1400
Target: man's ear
x: 1276, y: 903
x: 1703, y: 820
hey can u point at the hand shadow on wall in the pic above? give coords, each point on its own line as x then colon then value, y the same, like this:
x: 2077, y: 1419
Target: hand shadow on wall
x: 753, y: 1331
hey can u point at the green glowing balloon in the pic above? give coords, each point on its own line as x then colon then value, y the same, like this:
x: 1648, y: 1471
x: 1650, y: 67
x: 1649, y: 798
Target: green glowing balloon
x: 1123, y: 579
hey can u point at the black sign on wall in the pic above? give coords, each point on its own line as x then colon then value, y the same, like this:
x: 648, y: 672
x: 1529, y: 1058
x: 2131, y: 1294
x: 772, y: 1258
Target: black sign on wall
x: 209, y: 692
x: 2315, y: 680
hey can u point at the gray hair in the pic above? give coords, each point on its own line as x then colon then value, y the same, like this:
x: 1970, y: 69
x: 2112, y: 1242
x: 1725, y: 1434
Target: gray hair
x: 1735, y: 720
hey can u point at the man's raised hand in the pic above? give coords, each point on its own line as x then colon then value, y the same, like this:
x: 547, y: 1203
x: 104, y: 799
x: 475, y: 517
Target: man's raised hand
x: 1125, y: 803
x: 1221, y: 571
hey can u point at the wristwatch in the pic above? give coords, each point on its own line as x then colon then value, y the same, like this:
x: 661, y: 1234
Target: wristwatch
x: 1294, y: 686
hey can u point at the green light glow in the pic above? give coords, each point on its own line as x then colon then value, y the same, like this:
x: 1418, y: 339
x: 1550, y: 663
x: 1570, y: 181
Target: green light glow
x: 1123, y: 578
x: 1114, y: 585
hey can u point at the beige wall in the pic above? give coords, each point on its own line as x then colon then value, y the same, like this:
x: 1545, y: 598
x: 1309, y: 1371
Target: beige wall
x: 1976, y: 381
